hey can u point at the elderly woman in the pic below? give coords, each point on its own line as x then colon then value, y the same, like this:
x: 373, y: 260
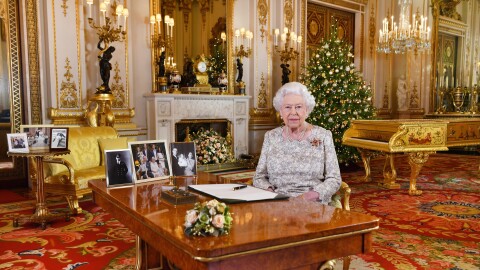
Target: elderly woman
x: 298, y: 159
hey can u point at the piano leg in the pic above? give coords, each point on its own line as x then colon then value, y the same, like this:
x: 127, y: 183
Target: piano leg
x: 416, y: 161
x: 389, y: 173
x: 366, y: 155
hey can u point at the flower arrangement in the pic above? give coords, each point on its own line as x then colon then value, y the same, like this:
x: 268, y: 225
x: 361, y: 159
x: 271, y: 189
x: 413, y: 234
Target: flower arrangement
x: 208, y: 218
x: 211, y: 147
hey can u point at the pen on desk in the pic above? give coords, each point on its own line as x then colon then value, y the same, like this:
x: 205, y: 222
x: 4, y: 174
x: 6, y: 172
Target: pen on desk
x: 239, y: 187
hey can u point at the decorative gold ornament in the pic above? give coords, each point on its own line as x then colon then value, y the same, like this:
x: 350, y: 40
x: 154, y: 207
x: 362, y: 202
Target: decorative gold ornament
x: 262, y: 11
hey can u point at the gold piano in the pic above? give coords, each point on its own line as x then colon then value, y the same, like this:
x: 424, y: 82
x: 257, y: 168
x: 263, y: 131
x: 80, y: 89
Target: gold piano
x: 417, y: 137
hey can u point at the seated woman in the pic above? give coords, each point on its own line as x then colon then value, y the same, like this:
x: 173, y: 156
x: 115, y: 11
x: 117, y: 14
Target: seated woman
x: 155, y: 169
x: 298, y: 159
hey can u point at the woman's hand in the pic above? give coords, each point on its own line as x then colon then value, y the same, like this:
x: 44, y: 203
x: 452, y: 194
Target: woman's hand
x: 310, y: 196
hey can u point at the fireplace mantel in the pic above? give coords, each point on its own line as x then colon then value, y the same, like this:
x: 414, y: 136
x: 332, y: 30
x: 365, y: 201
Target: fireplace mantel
x: 164, y: 110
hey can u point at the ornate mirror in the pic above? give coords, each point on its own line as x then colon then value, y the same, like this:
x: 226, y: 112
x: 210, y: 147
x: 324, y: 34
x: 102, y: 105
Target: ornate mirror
x: 10, y: 92
x: 197, y: 30
x: 448, y: 54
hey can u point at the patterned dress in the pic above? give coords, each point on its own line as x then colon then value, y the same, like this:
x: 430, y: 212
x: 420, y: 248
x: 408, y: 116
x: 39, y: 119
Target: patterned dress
x: 294, y: 167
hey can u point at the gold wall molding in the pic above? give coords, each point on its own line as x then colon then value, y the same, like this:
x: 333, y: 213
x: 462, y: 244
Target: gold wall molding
x: 118, y: 90
x: 3, y: 9
x: 33, y: 60
x: 262, y: 13
x: 65, y: 7
x: 372, y: 30
x: 288, y: 13
x: 68, y: 89
x: 262, y: 93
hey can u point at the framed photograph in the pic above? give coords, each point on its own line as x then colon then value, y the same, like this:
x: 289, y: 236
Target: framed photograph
x: 119, y: 168
x: 58, y: 138
x: 151, y: 160
x: 184, y: 158
x: 17, y: 142
x: 38, y: 136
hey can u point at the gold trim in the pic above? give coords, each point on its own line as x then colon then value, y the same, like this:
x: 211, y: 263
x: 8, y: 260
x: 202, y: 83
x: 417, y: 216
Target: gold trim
x: 77, y: 14
x: 288, y: 13
x: 283, y: 246
x: 262, y: 13
x: 18, y: 170
x: 372, y: 30
x: 262, y: 94
x: 33, y: 60
x: 65, y: 7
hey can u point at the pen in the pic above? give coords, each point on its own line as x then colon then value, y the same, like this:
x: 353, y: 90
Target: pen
x: 239, y: 187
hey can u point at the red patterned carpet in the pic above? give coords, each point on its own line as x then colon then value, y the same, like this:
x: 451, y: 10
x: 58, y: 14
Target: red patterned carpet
x: 438, y: 230
x: 92, y: 240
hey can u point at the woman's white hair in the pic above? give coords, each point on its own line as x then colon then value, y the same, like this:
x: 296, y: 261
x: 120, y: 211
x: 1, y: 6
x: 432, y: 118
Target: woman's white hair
x: 295, y: 88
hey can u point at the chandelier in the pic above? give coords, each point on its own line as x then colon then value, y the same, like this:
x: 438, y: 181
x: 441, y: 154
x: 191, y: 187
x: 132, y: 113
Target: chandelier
x: 406, y: 35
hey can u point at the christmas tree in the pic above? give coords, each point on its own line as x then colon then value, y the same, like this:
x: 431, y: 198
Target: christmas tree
x: 340, y: 92
x: 217, y: 61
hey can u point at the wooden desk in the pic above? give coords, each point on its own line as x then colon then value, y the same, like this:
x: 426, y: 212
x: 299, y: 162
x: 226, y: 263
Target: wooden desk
x: 42, y: 215
x: 277, y: 234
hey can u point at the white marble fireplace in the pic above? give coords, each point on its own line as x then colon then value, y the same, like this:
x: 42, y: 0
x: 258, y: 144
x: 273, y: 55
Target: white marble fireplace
x: 164, y: 110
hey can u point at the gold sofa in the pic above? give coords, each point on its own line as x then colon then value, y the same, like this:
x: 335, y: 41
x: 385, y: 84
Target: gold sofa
x: 68, y: 175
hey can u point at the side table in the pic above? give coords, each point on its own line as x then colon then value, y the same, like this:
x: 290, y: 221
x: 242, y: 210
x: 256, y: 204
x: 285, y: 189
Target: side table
x: 42, y: 215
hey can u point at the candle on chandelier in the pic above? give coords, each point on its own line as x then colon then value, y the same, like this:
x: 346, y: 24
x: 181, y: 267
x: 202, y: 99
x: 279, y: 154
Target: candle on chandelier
x: 90, y: 3
x: 103, y: 9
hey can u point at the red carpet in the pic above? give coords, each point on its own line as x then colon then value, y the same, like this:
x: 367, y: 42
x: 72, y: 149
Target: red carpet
x: 7, y: 196
x: 437, y: 230
x: 92, y: 240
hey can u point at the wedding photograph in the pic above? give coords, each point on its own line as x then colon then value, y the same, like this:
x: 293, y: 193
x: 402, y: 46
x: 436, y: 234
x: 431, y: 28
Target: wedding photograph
x: 58, y: 138
x: 151, y: 160
x: 37, y: 135
x: 184, y: 158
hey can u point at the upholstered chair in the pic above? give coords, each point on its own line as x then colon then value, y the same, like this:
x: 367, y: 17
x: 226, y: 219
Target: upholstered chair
x: 68, y: 175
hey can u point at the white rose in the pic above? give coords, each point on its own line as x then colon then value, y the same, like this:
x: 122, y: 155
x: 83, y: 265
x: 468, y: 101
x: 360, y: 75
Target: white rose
x: 218, y: 221
x: 191, y: 217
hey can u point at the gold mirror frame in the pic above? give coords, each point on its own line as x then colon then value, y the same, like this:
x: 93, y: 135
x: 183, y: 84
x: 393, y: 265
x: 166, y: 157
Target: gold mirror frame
x: 437, y: 25
x: 155, y: 5
x: 18, y: 170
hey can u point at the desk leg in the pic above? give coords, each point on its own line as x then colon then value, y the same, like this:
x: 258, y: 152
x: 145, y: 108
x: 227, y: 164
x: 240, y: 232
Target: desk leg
x: 146, y: 257
x: 366, y: 155
x: 389, y: 173
x: 42, y: 215
x: 416, y: 161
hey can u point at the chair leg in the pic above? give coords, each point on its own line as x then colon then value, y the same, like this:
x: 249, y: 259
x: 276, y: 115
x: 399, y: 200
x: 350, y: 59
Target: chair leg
x: 346, y: 262
x: 73, y: 204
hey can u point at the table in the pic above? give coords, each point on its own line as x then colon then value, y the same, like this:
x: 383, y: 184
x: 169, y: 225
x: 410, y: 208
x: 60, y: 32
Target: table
x: 42, y: 215
x: 263, y: 233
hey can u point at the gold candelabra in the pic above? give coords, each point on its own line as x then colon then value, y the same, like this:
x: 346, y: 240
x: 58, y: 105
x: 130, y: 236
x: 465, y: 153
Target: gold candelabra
x: 291, y: 43
x: 243, y: 43
x: 163, y: 49
x: 108, y: 31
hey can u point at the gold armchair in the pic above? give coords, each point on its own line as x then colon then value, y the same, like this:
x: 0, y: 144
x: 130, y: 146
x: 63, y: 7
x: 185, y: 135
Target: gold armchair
x: 68, y: 175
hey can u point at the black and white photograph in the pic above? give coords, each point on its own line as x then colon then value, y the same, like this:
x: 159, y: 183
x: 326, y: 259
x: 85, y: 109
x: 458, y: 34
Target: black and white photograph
x: 151, y: 160
x: 17, y: 142
x: 37, y: 135
x: 184, y: 158
x: 58, y: 138
x: 119, y: 167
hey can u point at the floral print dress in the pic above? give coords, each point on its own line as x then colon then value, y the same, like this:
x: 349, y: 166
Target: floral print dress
x: 294, y: 167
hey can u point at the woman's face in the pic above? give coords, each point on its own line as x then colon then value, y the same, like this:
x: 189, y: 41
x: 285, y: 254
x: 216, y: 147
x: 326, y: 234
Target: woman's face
x: 293, y: 111
x: 190, y: 155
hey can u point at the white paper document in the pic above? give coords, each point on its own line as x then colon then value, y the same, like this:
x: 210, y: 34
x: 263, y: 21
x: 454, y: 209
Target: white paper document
x: 228, y: 193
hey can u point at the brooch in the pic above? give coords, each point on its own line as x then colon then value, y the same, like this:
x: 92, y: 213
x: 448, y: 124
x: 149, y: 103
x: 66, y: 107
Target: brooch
x: 315, y: 142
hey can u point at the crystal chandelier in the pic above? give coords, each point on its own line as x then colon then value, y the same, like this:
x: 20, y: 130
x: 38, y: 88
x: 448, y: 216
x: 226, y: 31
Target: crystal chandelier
x: 406, y: 35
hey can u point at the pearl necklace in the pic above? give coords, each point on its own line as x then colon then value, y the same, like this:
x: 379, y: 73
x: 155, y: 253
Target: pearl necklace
x: 290, y: 135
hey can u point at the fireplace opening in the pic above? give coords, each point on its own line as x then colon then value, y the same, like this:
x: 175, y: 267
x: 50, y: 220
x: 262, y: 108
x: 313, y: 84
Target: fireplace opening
x: 222, y: 126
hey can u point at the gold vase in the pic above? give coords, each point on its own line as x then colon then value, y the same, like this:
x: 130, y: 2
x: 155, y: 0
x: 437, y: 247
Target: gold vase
x: 458, y: 98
